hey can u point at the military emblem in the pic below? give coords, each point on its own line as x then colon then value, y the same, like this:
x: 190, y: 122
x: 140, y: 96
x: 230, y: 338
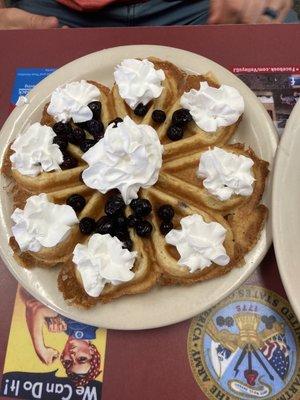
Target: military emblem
x: 246, y: 347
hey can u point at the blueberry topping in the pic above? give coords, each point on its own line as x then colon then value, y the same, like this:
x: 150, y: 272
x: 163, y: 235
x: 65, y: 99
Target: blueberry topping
x: 165, y: 227
x: 128, y: 244
x: 181, y: 117
x: 175, y: 132
x: 114, y: 206
x: 166, y: 212
x: 87, y: 144
x: 159, y: 116
x: 95, y: 107
x: 132, y: 220
x: 141, y: 207
x: 61, y: 141
x: 122, y: 235
x: 143, y: 228
x: 95, y: 128
x: 120, y: 222
x: 116, y: 121
x: 76, y: 201
x: 140, y: 110
x: 105, y: 225
x: 77, y: 136
x: 87, y: 225
x: 62, y: 128
x: 69, y: 161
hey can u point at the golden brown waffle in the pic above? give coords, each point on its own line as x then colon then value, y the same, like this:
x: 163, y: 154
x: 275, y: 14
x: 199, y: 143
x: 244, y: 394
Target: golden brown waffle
x: 58, y: 185
x: 242, y: 217
x: 172, y: 87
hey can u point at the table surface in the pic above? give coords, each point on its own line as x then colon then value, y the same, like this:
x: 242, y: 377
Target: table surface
x: 229, y: 46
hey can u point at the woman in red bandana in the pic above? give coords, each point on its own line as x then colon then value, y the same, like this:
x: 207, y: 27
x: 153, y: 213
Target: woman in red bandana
x: 38, y: 14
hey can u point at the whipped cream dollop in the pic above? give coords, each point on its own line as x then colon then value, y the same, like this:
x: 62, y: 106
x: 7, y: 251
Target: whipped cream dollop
x: 212, y: 108
x: 199, y: 243
x: 226, y: 173
x: 102, y: 261
x: 42, y: 223
x: 138, y: 81
x: 35, y: 152
x: 71, y: 100
x: 127, y: 158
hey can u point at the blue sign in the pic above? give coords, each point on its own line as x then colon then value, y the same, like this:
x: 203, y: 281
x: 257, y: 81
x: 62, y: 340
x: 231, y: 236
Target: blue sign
x: 26, y: 79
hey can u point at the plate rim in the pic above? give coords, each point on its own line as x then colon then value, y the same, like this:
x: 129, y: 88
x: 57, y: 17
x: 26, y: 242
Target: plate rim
x: 273, y: 140
x: 280, y: 161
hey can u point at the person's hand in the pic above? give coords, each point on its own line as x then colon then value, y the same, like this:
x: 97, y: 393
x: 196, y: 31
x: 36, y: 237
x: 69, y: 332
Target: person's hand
x: 248, y: 12
x: 48, y: 355
x: 56, y: 325
x: 14, y: 18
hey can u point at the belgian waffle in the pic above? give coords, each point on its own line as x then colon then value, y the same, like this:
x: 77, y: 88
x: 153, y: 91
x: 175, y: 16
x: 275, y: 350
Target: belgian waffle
x: 157, y: 262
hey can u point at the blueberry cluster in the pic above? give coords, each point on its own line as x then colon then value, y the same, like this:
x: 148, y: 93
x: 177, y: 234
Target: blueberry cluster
x: 114, y: 222
x: 158, y: 116
x: 75, y: 134
x: 166, y: 214
x: 180, y: 119
x: 227, y: 321
x: 268, y: 321
x: 141, y: 208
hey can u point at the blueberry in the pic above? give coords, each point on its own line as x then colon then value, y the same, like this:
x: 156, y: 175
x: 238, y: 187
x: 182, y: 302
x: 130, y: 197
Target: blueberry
x: 87, y: 144
x: 132, y: 220
x: 159, y: 116
x: 105, y: 225
x: 141, y: 207
x: 128, y: 244
x: 143, y: 228
x: 175, y: 132
x: 95, y: 128
x: 165, y: 212
x: 87, y: 225
x: 69, y: 161
x: 114, y: 206
x: 62, y: 128
x: 181, y: 117
x: 116, y: 121
x: 77, y: 135
x: 120, y: 222
x: 122, y: 235
x: 165, y: 227
x: 95, y: 107
x: 76, y: 201
x: 61, y: 141
x: 140, y: 110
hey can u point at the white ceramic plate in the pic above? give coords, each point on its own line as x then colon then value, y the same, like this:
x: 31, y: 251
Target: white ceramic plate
x: 286, y: 205
x: 161, y: 306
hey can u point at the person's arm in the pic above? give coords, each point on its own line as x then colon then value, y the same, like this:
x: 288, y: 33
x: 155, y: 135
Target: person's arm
x: 249, y: 12
x: 13, y: 18
x: 36, y: 313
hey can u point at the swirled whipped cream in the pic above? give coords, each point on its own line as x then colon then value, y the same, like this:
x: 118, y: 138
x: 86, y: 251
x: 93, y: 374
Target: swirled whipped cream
x: 212, y: 108
x: 102, y: 261
x: 138, y: 81
x: 226, y: 173
x: 42, y: 223
x: 199, y: 243
x: 35, y: 152
x: 71, y: 100
x: 127, y: 158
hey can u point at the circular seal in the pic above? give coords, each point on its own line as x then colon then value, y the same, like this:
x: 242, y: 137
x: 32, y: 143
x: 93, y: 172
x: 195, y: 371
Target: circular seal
x: 246, y: 347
